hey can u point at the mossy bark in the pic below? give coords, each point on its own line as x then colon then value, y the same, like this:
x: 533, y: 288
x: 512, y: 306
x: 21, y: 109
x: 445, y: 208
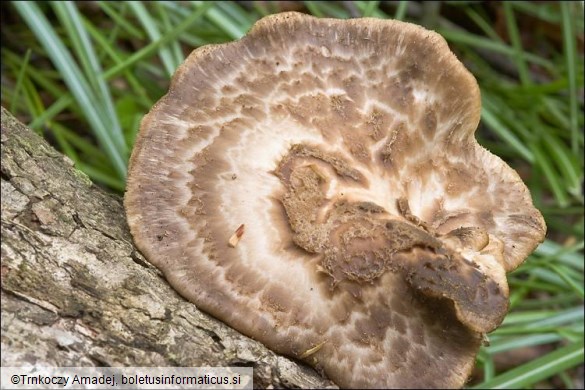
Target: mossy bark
x: 76, y: 292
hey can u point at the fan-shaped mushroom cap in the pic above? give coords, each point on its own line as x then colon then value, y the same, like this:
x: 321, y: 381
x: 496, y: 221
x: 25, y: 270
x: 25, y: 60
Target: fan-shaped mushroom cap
x: 377, y: 232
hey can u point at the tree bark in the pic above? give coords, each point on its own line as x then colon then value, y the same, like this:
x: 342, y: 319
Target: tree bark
x: 76, y: 292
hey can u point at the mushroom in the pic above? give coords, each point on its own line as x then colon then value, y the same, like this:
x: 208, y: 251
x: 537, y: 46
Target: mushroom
x: 378, y: 232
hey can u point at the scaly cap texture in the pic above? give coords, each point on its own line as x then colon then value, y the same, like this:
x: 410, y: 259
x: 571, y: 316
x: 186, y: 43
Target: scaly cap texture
x: 377, y: 232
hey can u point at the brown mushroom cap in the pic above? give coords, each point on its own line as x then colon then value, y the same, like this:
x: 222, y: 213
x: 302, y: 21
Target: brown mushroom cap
x: 378, y: 233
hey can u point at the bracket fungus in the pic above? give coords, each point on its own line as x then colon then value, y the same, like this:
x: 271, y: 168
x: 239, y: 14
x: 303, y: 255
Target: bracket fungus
x: 378, y: 232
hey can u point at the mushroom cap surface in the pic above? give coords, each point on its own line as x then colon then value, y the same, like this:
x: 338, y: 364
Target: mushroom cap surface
x: 378, y: 232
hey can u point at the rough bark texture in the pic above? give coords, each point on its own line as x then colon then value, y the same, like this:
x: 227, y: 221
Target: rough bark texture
x: 76, y: 292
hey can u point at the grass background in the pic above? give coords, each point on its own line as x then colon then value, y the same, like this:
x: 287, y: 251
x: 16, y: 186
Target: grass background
x: 83, y: 75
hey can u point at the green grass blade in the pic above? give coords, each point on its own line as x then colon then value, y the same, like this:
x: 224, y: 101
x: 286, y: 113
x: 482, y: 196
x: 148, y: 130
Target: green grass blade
x: 222, y: 21
x: 547, y: 12
x: 152, y: 47
x: 401, y: 10
x: 73, y: 78
x: 563, y: 254
x: 558, y: 318
x: 488, y: 115
x: 93, y: 71
x: 551, y: 176
x: 42, y: 78
x: 65, y: 146
x: 74, y: 35
x: 464, y: 37
x: 33, y: 98
x: 83, y: 145
x: 537, y: 370
x: 527, y: 316
x: 102, y: 41
x: 571, y: 280
x: 510, y: 343
x: 487, y: 361
x: 314, y: 9
x: 570, y: 170
x: 174, y: 47
x: 236, y: 13
x: 120, y: 20
x: 101, y: 177
x: 553, y: 109
x: 154, y: 34
x: 370, y: 8
x: 19, y: 79
x: 483, y: 24
x: 570, y: 61
x: 61, y: 104
x: 516, y: 43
